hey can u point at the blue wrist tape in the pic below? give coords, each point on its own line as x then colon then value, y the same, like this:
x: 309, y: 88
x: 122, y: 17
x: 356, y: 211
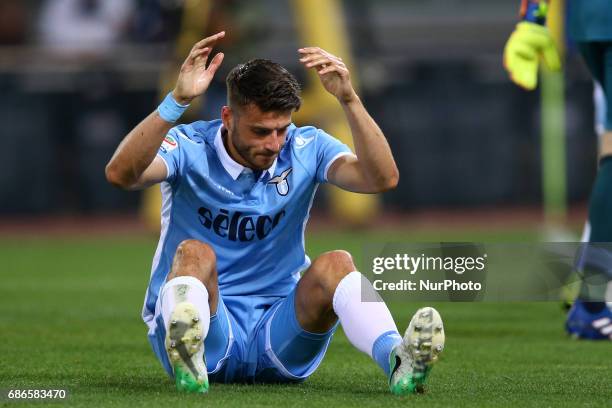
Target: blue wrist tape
x: 170, y: 110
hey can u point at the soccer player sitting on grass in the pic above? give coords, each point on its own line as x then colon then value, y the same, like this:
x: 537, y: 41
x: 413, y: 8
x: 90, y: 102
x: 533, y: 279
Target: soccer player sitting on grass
x: 233, y: 296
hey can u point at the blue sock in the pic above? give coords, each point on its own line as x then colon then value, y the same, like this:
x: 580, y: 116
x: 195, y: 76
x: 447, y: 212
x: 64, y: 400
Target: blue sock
x: 382, y: 349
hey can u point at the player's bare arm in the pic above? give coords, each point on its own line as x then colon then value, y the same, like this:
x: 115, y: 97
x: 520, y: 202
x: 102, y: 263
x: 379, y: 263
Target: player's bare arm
x: 134, y: 164
x: 372, y: 169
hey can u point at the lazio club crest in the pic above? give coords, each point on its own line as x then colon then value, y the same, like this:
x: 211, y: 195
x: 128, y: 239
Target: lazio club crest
x: 282, y: 186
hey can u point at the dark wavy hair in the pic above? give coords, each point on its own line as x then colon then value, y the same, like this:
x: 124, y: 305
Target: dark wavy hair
x: 264, y: 83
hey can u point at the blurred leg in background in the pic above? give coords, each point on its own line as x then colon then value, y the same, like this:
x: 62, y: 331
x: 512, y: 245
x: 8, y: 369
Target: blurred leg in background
x: 590, y: 317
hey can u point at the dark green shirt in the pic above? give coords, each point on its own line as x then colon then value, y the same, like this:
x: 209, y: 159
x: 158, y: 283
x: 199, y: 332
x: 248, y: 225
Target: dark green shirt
x: 590, y: 20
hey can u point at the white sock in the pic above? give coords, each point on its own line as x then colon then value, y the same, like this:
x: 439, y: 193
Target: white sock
x: 362, y: 322
x: 185, y: 289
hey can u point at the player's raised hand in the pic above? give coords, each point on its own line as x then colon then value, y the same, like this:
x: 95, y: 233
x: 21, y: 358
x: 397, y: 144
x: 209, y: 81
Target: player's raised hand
x: 195, y: 76
x: 332, y: 71
x: 527, y: 46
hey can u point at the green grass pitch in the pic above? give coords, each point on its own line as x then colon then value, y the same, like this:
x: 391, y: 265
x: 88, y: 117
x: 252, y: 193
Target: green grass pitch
x: 70, y: 318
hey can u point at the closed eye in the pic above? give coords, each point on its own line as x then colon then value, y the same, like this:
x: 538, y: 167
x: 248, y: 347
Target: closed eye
x: 261, y: 131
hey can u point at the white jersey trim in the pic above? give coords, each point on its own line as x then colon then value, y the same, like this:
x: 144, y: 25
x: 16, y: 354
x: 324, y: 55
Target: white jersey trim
x: 298, y: 274
x: 336, y: 157
x: 230, y: 342
x: 166, y: 210
x: 166, y: 164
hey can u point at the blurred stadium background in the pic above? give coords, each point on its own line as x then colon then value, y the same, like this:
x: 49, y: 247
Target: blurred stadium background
x: 76, y: 75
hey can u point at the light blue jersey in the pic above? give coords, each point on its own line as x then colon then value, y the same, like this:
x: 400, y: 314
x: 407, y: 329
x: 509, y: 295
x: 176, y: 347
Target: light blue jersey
x: 254, y: 222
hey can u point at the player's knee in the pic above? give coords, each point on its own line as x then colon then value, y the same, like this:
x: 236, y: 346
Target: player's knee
x: 196, y: 250
x: 331, y: 267
x: 197, y: 258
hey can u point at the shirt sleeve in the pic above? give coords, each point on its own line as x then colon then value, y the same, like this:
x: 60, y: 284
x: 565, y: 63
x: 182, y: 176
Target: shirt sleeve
x: 170, y: 152
x: 328, y: 150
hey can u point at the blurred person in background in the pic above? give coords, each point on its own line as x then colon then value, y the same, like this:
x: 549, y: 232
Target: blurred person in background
x: 14, y: 22
x: 78, y: 28
x: 590, y: 26
x: 157, y: 21
x: 239, y: 17
x: 82, y: 37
